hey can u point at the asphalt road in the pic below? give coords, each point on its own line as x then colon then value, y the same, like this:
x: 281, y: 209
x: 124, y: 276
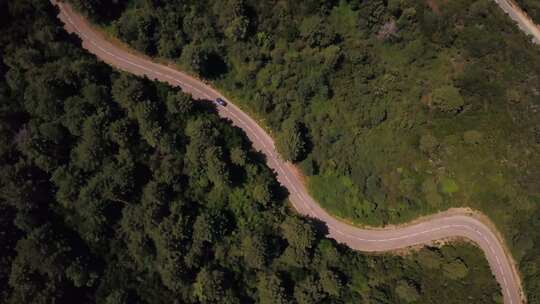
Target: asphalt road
x: 523, y: 21
x: 455, y: 223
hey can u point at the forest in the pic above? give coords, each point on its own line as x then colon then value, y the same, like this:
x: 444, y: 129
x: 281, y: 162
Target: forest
x: 392, y: 109
x: 116, y: 189
x: 531, y: 7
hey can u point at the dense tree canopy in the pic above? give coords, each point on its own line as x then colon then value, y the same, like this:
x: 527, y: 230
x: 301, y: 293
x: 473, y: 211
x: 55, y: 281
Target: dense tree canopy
x: 392, y: 108
x: 116, y: 189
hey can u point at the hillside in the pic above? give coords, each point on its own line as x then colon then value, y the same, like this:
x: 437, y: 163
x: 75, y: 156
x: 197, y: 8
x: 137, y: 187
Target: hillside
x: 392, y: 109
x: 117, y: 189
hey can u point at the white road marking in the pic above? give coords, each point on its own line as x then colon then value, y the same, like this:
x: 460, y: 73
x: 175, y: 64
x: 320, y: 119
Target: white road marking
x: 301, y: 195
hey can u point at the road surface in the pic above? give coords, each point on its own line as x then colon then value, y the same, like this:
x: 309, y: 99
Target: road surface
x: 450, y: 224
x: 523, y: 21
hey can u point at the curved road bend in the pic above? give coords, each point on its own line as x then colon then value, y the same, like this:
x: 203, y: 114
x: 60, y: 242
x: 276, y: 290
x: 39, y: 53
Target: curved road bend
x: 449, y: 224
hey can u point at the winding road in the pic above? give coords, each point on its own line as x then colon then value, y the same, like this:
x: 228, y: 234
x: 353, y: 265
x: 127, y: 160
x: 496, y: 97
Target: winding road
x: 460, y: 223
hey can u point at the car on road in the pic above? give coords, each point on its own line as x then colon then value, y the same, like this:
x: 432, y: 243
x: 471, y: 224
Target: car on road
x: 221, y: 102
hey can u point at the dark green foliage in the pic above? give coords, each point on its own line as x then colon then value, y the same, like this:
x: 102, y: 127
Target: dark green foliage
x: 447, y: 99
x: 100, y: 10
x: 380, y: 102
x: 139, y: 27
x: 210, y: 287
x: 270, y: 289
x: 290, y: 142
x: 116, y: 189
x: 203, y: 60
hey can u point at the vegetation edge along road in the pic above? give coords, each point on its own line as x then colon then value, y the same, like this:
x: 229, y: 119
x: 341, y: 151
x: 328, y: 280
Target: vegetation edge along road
x: 524, y: 22
x: 450, y: 224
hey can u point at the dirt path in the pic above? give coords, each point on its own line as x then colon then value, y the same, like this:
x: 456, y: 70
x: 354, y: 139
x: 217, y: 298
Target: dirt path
x: 454, y: 223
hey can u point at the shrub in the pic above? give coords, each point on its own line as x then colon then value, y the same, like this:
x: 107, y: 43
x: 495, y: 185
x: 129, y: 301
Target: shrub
x: 448, y: 99
x: 472, y: 137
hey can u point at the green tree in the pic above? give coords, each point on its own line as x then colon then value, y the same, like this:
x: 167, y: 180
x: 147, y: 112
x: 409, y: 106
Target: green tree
x: 128, y: 91
x: 93, y: 145
x: 171, y: 35
x: 407, y: 292
x: 139, y: 29
x: 197, y: 58
x: 316, y: 33
x: 290, y: 141
x: 473, y: 137
x: 298, y: 232
x: 137, y: 222
x: 238, y: 28
x: 238, y: 156
x: 255, y: 251
x: 308, y: 291
x: 218, y: 171
x: 121, y: 131
x: 331, y: 283
x: 179, y: 103
x: 428, y: 143
x: 455, y: 269
x: 209, y: 227
x: 78, y: 273
x: 270, y: 290
x: 210, y: 287
x: 147, y: 114
x: 430, y: 258
x: 262, y: 192
x: 448, y: 99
